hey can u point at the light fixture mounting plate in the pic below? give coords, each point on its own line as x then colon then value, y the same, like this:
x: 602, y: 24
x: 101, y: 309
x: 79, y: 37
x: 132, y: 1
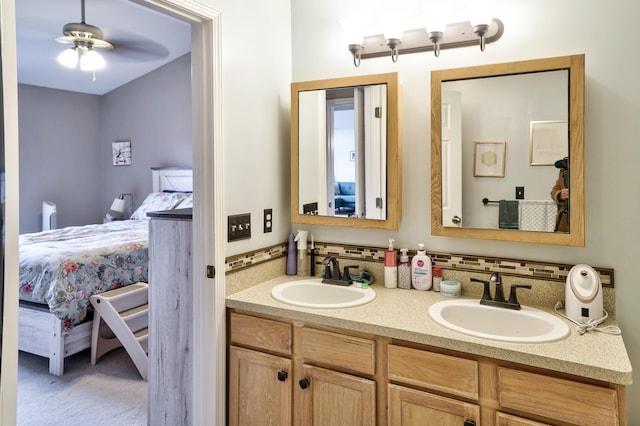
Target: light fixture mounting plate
x: 459, y: 34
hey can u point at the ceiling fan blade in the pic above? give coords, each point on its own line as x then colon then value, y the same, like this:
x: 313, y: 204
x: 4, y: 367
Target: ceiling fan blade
x: 138, y: 49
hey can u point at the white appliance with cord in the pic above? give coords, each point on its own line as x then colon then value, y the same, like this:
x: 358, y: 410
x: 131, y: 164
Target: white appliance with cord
x: 583, y: 294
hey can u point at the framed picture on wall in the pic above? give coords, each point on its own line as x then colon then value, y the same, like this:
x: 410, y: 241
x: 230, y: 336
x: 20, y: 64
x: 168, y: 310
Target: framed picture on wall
x: 121, y: 151
x: 488, y: 159
x: 549, y: 142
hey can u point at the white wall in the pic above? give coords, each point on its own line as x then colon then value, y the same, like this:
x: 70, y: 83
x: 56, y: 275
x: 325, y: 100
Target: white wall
x: 533, y: 29
x: 256, y: 78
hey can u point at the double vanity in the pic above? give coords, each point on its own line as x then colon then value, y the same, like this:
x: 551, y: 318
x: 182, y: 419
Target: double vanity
x: 388, y: 362
x: 306, y: 353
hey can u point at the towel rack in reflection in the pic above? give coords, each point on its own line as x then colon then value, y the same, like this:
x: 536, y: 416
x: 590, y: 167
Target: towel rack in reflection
x: 486, y: 201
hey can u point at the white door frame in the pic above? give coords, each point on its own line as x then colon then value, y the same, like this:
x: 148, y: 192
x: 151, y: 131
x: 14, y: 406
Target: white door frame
x: 208, y: 239
x: 209, y: 363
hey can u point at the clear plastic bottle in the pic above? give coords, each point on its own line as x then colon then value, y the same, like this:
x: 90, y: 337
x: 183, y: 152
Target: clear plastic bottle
x: 421, y: 274
x: 437, y: 278
x: 404, y: 270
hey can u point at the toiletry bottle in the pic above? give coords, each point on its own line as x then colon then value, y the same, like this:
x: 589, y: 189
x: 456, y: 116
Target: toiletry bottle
x: 303, y: 261
x: 437, y: 278
x: 404, y: 270
x: 391, y: 266
x: 292, y: 265
x: 421, y: 275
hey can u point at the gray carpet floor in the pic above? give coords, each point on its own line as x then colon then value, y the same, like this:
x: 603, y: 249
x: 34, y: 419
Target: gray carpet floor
x: 109, y: 393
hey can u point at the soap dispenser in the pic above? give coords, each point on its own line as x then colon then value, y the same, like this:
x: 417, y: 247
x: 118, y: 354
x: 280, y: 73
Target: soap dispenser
x: 421, y: 274
x: 391, y: 266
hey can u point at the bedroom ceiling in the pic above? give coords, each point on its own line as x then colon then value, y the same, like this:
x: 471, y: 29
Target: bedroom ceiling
x: 143, y: 40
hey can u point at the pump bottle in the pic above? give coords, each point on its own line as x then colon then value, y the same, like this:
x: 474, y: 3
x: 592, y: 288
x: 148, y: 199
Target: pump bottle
x: 421, y: 274
x: 404, y: 270
x: 391, y: 266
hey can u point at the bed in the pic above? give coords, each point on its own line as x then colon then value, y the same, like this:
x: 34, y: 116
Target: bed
x: 60, y: 269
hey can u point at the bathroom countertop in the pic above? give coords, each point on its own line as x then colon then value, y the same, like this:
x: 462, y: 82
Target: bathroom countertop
x: 403, y: 314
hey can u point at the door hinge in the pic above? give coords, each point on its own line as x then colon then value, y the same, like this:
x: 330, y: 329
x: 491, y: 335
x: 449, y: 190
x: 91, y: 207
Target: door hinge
x: 211, y: 271
x: 378, y: 112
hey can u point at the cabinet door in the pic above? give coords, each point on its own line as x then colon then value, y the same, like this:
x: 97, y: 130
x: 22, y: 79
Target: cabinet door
x: 410, y: 407
x: 259, y: 388
x: 331, y: 398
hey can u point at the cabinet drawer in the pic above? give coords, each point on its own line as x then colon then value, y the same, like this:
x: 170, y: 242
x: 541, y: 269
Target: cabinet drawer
x: 338, y: 350
x: 559, y: 399
x: 456, y: 376
x: 261, y: 333
x: 503, y: 419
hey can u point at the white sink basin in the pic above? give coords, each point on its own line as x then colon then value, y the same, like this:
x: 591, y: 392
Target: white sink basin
x: 314, y: 294
x: 528, y: 325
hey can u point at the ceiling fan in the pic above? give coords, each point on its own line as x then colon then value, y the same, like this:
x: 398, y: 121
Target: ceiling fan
x: 85, y: 39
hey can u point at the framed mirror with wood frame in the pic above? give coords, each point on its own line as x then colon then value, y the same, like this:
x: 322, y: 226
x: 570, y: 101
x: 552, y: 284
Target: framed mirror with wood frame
x: 354, y: 181
x: 574, y: 100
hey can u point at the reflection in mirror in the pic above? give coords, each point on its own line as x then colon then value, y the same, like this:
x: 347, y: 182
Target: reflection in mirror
x: 507, y: 139
x: 345, y: 152
x: 498, y: 114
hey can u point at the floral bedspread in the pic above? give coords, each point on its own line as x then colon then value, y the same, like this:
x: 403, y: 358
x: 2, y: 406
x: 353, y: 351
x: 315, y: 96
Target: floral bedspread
x: 64, y: 267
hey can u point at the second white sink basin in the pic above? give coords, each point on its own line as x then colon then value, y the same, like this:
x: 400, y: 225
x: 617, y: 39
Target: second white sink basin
x: 314, y: 294
x: 528, y: 325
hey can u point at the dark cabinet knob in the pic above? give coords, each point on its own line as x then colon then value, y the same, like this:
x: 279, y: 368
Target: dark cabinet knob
x: 469, y: 423
x: 282, y: 375
x: 304, y: 383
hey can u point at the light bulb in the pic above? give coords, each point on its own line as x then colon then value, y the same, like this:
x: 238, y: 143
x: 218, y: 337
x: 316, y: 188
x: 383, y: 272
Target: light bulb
x: 393, y: 24
x: 91, y: 61
x: 354, y: 29
x: 69, y: 57
x: 437, y: 16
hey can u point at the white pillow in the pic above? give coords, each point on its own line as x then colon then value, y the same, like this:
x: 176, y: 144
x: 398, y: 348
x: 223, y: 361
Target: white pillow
x: 187, y: 203
x: 158, y: 201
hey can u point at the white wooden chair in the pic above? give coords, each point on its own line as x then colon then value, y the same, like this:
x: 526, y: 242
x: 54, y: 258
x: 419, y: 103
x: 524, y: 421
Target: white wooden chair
x: 121, y: 319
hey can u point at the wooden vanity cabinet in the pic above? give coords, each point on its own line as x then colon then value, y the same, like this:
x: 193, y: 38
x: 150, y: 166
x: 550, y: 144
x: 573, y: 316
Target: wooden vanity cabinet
x: 448, y: 375
x: 325, y: 378
x: 336, y: 377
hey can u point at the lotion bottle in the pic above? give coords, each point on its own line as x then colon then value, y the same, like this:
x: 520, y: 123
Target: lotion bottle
x: 292, y: 265
x: 391, y: 266
x: 404, y: 270
x: 421, y: 274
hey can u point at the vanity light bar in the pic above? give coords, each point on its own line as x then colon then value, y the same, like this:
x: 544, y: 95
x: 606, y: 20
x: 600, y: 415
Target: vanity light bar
x: 460, y: 34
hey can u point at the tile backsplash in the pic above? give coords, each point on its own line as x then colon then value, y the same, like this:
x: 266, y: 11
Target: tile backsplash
x: 548, y: 279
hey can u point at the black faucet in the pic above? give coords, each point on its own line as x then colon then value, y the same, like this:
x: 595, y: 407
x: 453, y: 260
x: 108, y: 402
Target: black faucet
x: 332, y: 274
x: 498, y: 299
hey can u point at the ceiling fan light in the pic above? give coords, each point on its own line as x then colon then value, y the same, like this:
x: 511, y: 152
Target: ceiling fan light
x: 68, y: 57
x: 91, y: 61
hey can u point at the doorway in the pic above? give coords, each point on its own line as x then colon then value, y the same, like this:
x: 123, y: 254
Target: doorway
x: 207, y: 212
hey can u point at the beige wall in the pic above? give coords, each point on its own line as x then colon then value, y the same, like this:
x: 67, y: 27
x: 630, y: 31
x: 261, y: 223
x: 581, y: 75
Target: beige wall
x: 533, y: 29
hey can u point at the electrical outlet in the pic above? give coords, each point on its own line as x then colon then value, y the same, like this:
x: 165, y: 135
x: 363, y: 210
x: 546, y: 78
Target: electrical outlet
x: 267, y: 221
x: 519, y: 192
x: 239, y: 227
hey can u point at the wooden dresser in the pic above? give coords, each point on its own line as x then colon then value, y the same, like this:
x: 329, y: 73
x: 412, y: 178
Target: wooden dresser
x: 170, y: 318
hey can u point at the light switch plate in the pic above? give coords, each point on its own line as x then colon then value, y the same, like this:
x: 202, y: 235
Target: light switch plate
x: 519, y: 192
x: 239, y: 227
